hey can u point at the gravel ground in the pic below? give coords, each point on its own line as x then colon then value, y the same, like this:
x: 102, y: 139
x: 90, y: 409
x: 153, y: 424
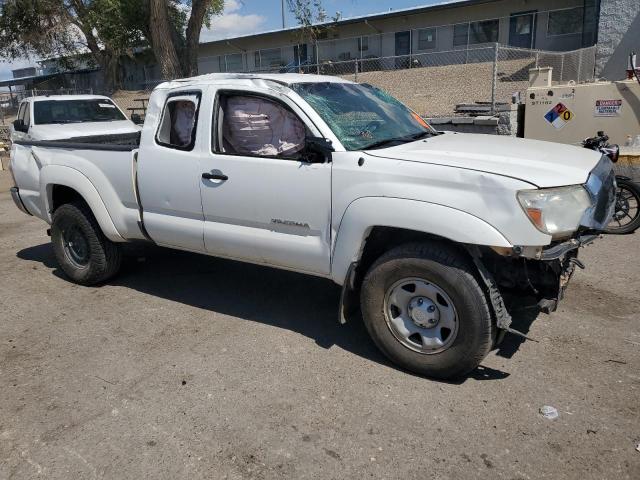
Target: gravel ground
x: 188, y: 367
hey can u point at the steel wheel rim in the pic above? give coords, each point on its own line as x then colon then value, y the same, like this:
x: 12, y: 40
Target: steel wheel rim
x: 420, y: 315
x: 76, y: 247
x: 627, y: 208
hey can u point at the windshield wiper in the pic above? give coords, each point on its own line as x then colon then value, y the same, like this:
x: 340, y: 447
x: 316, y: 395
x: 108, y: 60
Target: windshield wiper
x: 406, y: 139
x: 420, y: 135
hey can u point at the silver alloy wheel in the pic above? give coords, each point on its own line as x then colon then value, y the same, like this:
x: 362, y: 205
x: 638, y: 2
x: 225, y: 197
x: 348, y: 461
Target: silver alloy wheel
x: 420, y: 315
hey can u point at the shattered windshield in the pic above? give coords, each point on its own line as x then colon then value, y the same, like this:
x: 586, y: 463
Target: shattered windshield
x: 361, y: 116
x: 75, y: 111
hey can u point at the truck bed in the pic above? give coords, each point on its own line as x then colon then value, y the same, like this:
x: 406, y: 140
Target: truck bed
x: 103, y: 166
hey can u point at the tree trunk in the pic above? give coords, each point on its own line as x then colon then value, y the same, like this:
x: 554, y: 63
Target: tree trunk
x: 163, y: 47
x: 190, y: 58
x: 110, y: 67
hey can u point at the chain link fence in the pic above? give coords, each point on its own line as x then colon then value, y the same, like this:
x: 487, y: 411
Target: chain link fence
x: 434, y: 83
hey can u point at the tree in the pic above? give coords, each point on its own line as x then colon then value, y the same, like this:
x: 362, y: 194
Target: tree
x: 312, y: 19
x: 174, y: 33
x: 70, y: 30
x: 107, y: 30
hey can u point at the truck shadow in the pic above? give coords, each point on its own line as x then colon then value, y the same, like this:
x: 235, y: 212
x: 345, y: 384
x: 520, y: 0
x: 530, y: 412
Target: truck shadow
x: 300, y: 303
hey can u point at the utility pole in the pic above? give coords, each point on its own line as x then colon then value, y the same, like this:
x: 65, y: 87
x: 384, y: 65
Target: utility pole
x: 282, y: 8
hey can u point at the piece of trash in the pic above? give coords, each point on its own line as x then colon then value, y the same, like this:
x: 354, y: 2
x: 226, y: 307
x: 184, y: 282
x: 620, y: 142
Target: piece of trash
x: 549, y: 412
x: 638, y: 448
x: 184, y: 382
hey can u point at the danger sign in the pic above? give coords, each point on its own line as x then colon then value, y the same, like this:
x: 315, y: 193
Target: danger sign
x: 608, y: 108
x: 559, y: 116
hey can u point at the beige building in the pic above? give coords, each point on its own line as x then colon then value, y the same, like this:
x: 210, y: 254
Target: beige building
x: 464, y: 25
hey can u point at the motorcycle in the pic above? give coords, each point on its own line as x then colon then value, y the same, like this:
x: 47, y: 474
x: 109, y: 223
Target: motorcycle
x: 626, y: 218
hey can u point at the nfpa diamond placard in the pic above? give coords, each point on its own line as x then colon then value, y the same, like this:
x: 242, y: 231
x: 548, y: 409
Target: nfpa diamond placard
x: 559, y: 116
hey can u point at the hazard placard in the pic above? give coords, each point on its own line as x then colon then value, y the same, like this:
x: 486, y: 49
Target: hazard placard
x: 608, y: 108
x: 559, y: 116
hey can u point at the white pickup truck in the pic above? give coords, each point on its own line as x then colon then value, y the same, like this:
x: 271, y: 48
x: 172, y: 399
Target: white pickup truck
x: 54, y: 117
x: 427, y: 232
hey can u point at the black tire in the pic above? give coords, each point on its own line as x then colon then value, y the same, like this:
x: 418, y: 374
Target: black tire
x: 627, y: 216
x: 100, y: 258
x: 441, y: 265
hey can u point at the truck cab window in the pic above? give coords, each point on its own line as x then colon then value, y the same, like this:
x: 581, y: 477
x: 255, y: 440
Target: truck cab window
x: 27, y: 114
x: 21, y: 111
x: 178, y: 125
x: 259, y: 126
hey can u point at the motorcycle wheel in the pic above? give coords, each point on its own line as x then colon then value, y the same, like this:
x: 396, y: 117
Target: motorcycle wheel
x: 626, y: 218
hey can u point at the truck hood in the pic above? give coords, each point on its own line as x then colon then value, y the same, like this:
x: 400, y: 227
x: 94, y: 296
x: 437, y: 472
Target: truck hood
x: 72, y: 130
x: 543, y: 164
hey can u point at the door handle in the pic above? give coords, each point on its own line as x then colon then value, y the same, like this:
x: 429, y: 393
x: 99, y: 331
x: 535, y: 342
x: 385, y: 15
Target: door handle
x: 214, y: 176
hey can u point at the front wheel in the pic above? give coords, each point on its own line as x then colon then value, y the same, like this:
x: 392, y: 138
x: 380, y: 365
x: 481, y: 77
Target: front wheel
x: 83, y: 252
x: 626, y: 218
x: 425, y: 310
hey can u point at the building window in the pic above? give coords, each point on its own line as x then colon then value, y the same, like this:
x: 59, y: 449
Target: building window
x: 523, y: 24
x: 363, y: 44
x: 269, y: 58
x: 427, y: 39
x: 460, y: 34
x: 472, y: 33
x: 234, y: 62
x: 484, y: 32
x: 565, y: 22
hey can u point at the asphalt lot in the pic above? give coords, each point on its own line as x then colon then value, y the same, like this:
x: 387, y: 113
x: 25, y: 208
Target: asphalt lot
x: 189, y: 367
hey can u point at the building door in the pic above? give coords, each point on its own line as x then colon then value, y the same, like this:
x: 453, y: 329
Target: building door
x: 403, y: 49
x: 300, y: 54
x: 522, y: 29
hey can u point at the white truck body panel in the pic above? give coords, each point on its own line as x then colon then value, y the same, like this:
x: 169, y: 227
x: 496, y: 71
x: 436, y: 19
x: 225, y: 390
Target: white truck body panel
x: 542, y: 164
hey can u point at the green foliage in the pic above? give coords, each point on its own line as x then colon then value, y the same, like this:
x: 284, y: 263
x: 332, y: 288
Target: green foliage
x: 34, y: 27
x: 312, y: 18
x: 68, y: 28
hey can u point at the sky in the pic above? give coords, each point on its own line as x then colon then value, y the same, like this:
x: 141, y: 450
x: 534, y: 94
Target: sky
x: 242, y: 17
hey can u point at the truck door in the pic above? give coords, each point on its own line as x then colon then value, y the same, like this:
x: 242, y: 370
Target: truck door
x: 168, y: 170
x: 262, y: 202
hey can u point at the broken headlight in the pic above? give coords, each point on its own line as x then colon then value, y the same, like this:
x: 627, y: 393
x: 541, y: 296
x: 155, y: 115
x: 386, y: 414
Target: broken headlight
x: 556, y: 211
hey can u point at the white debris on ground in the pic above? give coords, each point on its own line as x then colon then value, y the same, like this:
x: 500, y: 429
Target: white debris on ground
x: 549, y: 412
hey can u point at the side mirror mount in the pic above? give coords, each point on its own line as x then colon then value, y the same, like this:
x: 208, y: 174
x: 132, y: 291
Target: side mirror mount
x: 19, y: 126
x: 318, y: 149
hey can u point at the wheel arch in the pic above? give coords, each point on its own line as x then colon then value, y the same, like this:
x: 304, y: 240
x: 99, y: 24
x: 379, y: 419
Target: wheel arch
x: 372, y: 225
x: 60, y: 185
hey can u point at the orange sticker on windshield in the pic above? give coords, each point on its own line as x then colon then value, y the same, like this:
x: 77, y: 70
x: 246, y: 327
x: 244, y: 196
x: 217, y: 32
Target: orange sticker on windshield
x: 419, y: 119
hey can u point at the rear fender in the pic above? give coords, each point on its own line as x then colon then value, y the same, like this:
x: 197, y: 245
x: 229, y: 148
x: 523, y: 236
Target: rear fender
x: 51, y: 175
x: 365, y: 213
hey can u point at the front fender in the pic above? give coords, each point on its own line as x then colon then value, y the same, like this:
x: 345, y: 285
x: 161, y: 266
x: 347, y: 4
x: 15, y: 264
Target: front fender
x: 365, y: 213
x: 51, y: 175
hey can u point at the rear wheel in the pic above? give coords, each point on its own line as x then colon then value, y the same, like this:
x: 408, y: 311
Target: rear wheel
x: 425, y: 310
x: 626, y: 218
x: 83, y: 252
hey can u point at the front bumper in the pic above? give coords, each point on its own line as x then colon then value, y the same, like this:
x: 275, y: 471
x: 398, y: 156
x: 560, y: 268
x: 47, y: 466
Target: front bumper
x: 15, y: 195
x: 561, y: 249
